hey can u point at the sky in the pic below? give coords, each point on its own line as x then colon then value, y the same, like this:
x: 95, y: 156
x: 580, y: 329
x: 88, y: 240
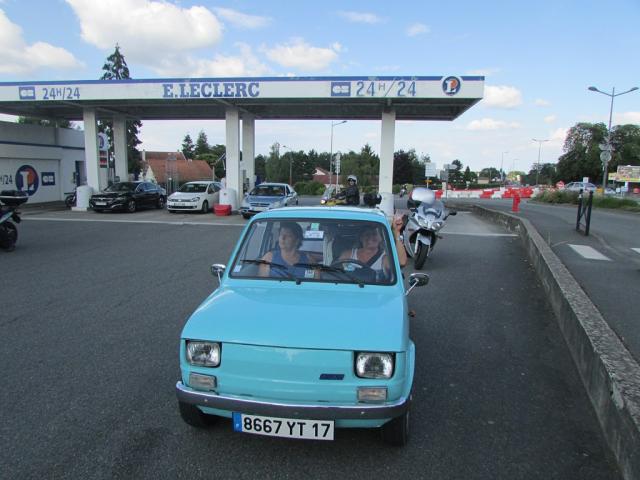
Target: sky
x: 538, y: 59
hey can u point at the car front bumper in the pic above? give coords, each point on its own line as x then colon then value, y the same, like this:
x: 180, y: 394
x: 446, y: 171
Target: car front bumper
x: 117, y: 205
x: 183, y: 206
x: 360, y: 411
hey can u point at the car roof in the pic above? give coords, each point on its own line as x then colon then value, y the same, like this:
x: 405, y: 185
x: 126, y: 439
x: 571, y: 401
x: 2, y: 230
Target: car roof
x: 272, y: 184
x: 346, y: 213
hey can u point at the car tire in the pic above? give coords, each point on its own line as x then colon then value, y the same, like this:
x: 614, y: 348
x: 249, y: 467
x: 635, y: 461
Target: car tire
x: 131, y: 206
x: 205, y: 207
x: 160, y: 203
x: 396, y: 432
x: 193, y: 416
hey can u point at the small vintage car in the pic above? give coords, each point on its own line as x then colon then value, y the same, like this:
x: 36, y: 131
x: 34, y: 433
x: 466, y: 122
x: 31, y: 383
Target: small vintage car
x: 303, y: 336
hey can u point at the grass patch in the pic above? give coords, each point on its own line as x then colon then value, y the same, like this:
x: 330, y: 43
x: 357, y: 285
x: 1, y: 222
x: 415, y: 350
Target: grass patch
x: 562, y: 196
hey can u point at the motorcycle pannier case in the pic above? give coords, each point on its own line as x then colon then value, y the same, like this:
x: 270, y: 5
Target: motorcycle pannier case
x: 13, y: 198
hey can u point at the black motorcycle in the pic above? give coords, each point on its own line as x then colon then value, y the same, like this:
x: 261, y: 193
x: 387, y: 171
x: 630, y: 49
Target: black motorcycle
x: 10, y: 200
x: 70, y: 199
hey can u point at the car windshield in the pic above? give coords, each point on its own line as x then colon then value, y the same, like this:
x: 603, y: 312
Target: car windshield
x: 122, y: 187
x: 193, y: 188
x: 316, y: 250
x: 268, y: 191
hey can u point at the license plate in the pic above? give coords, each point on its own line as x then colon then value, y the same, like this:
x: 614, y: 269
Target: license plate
x: 258, y: 209
x: 101, y: 203
x: 283, y: 427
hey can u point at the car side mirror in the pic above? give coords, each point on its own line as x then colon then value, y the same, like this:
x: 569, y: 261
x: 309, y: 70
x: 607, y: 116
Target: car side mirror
x: 417, y: 280
x: 217, y: 269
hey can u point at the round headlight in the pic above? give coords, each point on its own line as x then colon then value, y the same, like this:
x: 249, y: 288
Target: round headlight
x: 374, y: 365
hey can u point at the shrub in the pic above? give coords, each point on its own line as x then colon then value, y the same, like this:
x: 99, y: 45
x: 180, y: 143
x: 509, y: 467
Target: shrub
x: 557, y: 196
x: 309, y: 188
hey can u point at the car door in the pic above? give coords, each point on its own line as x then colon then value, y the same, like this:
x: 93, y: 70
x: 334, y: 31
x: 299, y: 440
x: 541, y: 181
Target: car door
x: 139, y: 195
x: 214, y: 194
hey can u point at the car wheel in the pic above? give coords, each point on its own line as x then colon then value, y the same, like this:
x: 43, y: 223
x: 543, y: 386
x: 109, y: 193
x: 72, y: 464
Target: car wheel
x: 131, y: 206
x: 396, y: 432
x: 205, y: 207
x: 193, y: 416
x: 160, y: 203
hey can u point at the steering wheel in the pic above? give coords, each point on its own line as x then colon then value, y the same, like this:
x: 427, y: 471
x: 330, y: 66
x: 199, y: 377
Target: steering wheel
x: 363, y: 273
x: 345, y: 261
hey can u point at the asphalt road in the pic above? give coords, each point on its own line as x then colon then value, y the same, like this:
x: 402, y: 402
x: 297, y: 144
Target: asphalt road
x: 91, y: 316
x: 612, y: 280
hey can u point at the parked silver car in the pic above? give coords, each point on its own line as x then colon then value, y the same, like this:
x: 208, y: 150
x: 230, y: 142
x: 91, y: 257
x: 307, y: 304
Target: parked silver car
x: 577, y: 186
x: 267, y: 196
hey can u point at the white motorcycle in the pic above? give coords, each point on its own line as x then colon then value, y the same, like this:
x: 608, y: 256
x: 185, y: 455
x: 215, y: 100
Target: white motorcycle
x: 428, y: 216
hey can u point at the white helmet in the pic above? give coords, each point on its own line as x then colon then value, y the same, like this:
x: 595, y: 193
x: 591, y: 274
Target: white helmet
x: 352, y: 177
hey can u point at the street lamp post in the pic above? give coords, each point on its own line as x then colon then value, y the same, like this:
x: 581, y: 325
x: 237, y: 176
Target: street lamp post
x: 333, y: 124
x: 613, y: 95
x: 290, y: 163
x: 501, y: 170
x: 540, y: 142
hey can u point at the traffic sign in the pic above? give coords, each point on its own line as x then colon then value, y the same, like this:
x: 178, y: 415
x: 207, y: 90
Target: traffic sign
x: 605, y: 147
x: 430, y: 169
x: 605, y: 156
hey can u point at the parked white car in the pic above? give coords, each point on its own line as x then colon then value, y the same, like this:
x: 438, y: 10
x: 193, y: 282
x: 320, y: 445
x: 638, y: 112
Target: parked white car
x: 195, y: 197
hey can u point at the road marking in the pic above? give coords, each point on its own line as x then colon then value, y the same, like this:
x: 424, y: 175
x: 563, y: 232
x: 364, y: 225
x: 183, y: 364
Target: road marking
x: 472, y: 234
x: 213, y: 224
x: 588, y: 252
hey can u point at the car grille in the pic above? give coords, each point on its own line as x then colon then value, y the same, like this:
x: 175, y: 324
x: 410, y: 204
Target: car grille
x: 260, y: 204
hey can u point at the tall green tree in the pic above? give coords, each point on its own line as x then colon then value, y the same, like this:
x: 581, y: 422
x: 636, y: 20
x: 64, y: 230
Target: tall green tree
x: 202, y: 145
x: 626, y: 146
x: 115, y: 68
x: 188, y: 148
x: 582, y: 153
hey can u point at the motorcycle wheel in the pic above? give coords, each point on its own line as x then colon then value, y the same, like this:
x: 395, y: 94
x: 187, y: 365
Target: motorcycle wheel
x: 421, y: 255
x: 8, y: 236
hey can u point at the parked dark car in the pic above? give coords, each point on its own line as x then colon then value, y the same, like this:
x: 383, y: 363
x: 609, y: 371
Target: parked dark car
x: 129, y: 196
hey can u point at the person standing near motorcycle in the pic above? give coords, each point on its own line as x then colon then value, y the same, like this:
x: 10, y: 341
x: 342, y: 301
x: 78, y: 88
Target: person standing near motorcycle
x: 351, y: 192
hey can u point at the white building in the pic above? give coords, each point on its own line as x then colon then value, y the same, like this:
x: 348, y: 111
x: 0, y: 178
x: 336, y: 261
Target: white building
x: 45, y: 162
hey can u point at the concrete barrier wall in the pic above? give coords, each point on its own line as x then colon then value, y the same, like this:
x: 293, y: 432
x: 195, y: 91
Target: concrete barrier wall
x: 609, y: 373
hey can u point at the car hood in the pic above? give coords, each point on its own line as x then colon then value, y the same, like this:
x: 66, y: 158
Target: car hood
x: 112, y: 194
x: 261, y: 199
x: 301, y: 316
x: 181, y: 195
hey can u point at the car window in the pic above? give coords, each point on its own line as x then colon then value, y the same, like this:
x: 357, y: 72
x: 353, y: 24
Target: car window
x: 121, y: 187
x: 150, y: 187
x: 268, y: 191
x: 329, y: 251
x: 193, y: 188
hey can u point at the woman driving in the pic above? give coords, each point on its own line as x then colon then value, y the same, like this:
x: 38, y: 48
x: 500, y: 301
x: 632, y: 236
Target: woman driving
x: 283, y: 260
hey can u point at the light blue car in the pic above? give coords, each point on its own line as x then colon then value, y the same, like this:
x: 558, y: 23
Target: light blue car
x: 308, y: 331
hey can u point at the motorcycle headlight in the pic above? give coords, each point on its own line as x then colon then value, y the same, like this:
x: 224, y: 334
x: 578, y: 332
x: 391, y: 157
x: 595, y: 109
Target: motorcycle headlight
x: 437, y: 225
x: 203, y: 354
x: 374, y: 365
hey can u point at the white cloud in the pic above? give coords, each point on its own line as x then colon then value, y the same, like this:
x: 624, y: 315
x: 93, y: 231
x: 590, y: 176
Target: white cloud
x: 147, y: 31
x: 361, y: 17
x: 558, y: 137
x: 244, y: 65
x: 549, y: 119
x: 242, y: 20
x: 627, y: 117
x: 299, y: 54
x: 501, y: 96
x: 417, y: 29
x: 17, y: 57
x: 491, y: 124
x: 540, y: 102
x: 483, y: 71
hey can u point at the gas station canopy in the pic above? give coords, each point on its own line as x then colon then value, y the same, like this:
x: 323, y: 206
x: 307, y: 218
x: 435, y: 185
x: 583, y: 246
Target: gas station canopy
x: 351, y: 98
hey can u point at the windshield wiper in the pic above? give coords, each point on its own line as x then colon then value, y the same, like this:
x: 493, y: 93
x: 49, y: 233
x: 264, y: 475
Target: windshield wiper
x: 327, y: 268
x: 259, y: 261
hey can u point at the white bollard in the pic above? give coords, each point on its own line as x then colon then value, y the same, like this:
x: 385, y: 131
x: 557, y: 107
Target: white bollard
x: 83, y: 194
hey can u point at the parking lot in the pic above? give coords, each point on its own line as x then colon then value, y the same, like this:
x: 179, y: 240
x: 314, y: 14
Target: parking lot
x: 93, y: 306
